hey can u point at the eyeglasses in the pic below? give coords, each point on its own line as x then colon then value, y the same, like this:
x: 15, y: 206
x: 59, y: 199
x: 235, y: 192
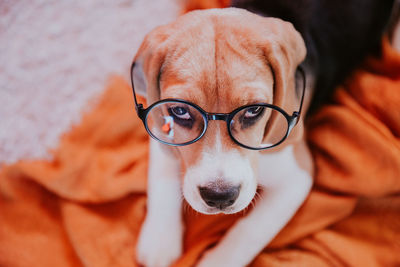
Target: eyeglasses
x: 177, y: 122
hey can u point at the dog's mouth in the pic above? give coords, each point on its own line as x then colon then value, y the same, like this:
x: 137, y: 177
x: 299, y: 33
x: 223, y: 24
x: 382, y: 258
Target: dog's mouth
x: 230, y: 210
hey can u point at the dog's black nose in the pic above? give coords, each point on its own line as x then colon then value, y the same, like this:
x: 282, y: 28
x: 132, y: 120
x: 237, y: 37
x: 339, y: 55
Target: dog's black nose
x: 219, y: 196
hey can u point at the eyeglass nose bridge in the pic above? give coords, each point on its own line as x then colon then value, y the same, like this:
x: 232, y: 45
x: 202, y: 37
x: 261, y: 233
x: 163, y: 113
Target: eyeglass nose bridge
x: 217, y: 116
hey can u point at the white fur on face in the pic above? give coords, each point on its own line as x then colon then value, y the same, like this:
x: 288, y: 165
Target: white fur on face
x: 228, y: 167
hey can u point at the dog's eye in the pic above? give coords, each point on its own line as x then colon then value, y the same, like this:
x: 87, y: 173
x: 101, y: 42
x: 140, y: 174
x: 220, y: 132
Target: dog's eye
x: 253, y: 112
x: 250, y: 116
x: 181, y: 116
x: 180, y: 112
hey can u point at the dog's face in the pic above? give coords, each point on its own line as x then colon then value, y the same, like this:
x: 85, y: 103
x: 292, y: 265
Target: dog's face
x: 221, y: 60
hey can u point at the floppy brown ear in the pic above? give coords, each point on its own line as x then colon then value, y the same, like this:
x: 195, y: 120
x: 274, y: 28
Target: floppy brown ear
x: 284, y: 50
x: 148, y: 64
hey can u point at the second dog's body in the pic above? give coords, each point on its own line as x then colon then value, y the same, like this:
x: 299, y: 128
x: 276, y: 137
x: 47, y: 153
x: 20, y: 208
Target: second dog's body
x: 221, y: 60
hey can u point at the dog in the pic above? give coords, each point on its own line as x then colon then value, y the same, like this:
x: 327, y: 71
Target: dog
x: 227, y: 91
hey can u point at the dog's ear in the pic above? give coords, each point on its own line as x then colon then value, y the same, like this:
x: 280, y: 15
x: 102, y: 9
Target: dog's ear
x: 284, y: 50
x: 148, y: 64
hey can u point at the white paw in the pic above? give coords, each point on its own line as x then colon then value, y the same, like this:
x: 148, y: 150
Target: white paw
x: 207, y: 261
x: 214, y: 258
x: 159, y: 245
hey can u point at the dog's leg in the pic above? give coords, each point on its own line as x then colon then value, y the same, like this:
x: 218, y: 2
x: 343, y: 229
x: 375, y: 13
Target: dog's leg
x: 284, y: 194
x: 160, y: 240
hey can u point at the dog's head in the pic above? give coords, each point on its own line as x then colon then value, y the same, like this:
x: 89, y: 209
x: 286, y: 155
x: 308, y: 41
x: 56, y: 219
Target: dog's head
x: 221, y: 59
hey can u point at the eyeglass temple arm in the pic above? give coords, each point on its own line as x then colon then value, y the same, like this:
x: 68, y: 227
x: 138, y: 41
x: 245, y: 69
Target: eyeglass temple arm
x: 296, y: 114
x: 137, y: 105
x: 304, y: 89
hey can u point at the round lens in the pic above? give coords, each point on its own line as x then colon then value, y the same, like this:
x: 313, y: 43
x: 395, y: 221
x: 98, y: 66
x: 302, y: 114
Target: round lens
x: 175, y: 123
x: 259, y: 126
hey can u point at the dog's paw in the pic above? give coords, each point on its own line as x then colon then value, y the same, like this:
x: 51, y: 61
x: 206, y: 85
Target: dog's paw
x: 159, y: 245
x: 213, y: 258
x: 209, y: 261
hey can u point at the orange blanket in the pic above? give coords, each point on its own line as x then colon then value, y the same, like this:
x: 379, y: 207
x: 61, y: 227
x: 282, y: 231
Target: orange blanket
x: 85, y: 207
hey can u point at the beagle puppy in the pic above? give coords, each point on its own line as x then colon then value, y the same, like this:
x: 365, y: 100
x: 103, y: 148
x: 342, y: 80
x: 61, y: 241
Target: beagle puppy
x: 226, y: 127
x: 226, y: 97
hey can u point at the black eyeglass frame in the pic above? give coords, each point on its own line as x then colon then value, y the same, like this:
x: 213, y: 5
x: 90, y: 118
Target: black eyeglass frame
x: 207, y: 116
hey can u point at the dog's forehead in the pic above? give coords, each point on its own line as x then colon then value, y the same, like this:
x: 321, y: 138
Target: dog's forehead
x: 214, y: 56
